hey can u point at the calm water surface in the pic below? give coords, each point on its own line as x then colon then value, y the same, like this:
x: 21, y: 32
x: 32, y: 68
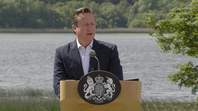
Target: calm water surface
x: 26, y: 60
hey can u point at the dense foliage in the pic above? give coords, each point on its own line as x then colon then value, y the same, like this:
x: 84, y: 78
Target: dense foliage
x: 178, y: 33
x: 58, y: 13
x: 186, y: 76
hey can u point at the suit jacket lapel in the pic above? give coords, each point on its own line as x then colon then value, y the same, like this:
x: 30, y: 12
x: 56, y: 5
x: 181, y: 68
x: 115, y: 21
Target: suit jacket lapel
x: 76, y: 57
x: 93, y: 63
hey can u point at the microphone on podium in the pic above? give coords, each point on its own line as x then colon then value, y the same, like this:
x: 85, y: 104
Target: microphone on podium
x: 93, y: 54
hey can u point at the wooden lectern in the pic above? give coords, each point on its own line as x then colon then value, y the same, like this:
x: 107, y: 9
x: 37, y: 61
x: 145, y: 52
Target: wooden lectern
x: 128, y: 100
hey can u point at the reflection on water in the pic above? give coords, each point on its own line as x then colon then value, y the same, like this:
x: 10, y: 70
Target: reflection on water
x: 26, y: 60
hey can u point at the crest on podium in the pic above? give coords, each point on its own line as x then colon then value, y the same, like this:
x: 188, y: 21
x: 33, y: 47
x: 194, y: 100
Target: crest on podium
x: 99, y: 87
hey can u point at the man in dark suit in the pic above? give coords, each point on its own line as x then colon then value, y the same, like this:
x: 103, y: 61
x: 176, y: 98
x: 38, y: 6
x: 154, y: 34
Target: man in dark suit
x: 73, y: 60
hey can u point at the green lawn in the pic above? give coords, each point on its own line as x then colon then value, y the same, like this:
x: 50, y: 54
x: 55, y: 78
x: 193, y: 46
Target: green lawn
x: 37, y: 100
x: 28, y: 104
x: 169, y: 106
x: 52, y: 104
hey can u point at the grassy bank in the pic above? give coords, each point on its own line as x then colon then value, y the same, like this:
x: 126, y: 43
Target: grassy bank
x: 28, y: 100
x: 28, y: 104
x: 169, y: 106
x: 116, y: 30
x: 52, y: 104
x: 38, y: 100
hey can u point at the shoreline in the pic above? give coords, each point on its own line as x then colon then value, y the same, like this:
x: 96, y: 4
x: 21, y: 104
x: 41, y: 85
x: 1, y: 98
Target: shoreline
x: 42, y: 30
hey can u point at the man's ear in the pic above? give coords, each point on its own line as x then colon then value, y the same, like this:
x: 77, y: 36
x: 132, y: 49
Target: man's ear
x: 73, y: 28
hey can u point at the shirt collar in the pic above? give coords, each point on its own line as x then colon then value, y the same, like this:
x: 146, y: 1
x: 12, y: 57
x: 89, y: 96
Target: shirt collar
x: 79, y: 45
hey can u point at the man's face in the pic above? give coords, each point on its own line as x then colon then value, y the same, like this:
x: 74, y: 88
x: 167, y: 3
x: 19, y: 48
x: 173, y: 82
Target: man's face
x: 86, y: 27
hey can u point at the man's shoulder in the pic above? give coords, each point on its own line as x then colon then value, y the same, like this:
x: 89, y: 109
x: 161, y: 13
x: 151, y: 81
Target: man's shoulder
x: 104, y: 44
x: 65, y: 46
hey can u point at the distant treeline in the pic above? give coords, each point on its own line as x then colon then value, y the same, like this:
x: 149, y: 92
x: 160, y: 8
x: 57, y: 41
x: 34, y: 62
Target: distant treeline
x: 58, y: 13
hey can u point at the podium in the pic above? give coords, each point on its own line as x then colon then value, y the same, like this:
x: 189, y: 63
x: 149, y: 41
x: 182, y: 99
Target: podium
x: 128, y: 99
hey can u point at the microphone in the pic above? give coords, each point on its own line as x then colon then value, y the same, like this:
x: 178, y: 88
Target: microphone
x: 93, y: 54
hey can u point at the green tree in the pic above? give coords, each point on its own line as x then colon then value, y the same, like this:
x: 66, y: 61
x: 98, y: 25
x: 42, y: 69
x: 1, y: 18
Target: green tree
x: 178, y: 33
x: 58, y: 13
x: 141, y: 8
x: 110, y: 16
x: 28, y: 14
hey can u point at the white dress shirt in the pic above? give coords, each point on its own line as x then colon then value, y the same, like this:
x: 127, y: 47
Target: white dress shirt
x: 84, y: 54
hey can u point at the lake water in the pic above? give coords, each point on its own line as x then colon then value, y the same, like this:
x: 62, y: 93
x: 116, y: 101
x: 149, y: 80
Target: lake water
x: 26, y: 61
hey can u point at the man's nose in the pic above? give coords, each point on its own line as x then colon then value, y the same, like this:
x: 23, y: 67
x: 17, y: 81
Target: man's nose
x: 90, y: 27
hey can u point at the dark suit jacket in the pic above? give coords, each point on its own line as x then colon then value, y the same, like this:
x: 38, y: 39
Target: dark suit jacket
x: 67, y: 63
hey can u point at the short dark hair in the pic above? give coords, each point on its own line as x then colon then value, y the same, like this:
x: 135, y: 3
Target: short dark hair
x: 77, y: 13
